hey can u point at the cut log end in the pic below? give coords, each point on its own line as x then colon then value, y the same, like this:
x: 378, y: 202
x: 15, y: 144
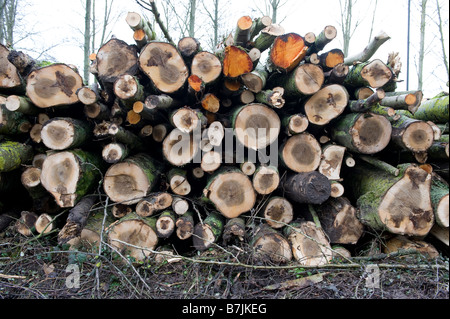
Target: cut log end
x: 327, y: 104
x: 371, y: 133
x: 272, y: 246
x: 302, y: 153
x: 206, y: 66
x: 179, y: 148
x: 43, y: 224
x: 278, y: 212
x: 418, y: 137
x: 31, y: 177
x: 266, y: 180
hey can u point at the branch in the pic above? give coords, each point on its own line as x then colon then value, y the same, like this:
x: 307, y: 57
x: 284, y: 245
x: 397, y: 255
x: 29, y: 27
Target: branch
x: 153, y: 9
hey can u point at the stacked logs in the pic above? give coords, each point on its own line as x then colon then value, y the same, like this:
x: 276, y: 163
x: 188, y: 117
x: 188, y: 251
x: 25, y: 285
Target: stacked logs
x: 293, y: 153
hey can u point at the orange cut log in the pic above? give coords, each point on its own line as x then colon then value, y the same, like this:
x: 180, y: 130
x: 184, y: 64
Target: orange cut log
x: 236, y: 62
x: 287, y: 51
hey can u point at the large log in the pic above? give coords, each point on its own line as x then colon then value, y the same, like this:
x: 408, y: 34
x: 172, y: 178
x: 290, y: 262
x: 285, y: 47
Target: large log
x: 287, y: 51
x: 399, y: 204
x: 327, y: 104
x: 230, y: 191
x: 10, y: 79
x: 301, y: 153
x: 61, y: 133
x: 69, y: 175
x: 165, y: 67
x: 132, y: 179
x: 269, y: 244
x: 305, y: 80
x: 54, y: 85
x: 236, y: 62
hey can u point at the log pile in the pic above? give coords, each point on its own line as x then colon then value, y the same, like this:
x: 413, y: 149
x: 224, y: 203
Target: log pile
x: 292, y: 153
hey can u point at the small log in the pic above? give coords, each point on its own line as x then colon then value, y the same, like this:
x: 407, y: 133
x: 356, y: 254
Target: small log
x: 160, y: 132
x: 374, y: 74
x: 243, y: 30
x: 21, y: 104
x: 266, y: 179
x: 309, y: 187
x: 278, y: 212
x: 327, y: 104
x: 185, y: 225
x: 165, y: 67
x: 180, y: 205
x: 337, y: 75
x: 12, y: 123
x: 369, y: 50
x: 256, y: 125
x: 230, y: 191
x: 337, y: 189
x: 216, y: 133
x: 328, y: 60
x: 398, y: 243
x: 236, y: 62
x: 362, y: 133
x: 187, y: 120
x: 301, y: 153
x: 259, y: 24
x: 13, y: 155
x: 323, y: 38
x: 255, y: 80
x: 97, y: 111
x: 188, y: 47
x: 310, y: 246
x: 439, y: 150
x: 115, y: 152
x: 365, y: 105
x: 441, y: 234
x: 211, y: 161
x: 407, y: 101
x: 119, y: 134
x: 295, y: 124
x: 331, y: 161
x: 153, y: 203
x: 128, y: 89
x: 44, y: 224
x: 306, y: 79
x: 88, y: 95
x: 208, y: 232
x: 363, y: 93
x: 134, y: 230
x: 269, y: 244
x: 340, y: 222
x: 399, y: 204
x: 211, y: 103
x: 178, y: 181
x: 165, y: 224
x: 63, y: 133
x: 132, y: 179
x: 196, y: 86
x: 273, y: 97
x: 267, y: 36
x: 375, y: 162
x: 25, y: 224
x: 234, y: 228
x: 121, y: 210
x: 53, y: 85
x: 248, y: 168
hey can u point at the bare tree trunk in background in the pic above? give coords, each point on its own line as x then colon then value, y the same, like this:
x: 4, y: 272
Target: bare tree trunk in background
x: 8, y: 15
x: 94, y: 31
x: 373, y: 20
x: 422, y: 43
x: 441, y: 33
x: 192, y: 9
x: 271, y: 8
x: 346, y: 23
x: 87, y: 39
x: 213, y: 15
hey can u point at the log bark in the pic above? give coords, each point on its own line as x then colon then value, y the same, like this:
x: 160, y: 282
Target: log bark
x: 21, y: 104
x: 399, y: 204
x: 440, y: 200
x: 362, y: 133
x: 309, y: 187
x: 13, y: 123
x: 435, y: 110
x: 53, y: 85
x: 323, y: 38
x: 369, y: 50
x: 267, y: 36
x: 13, y: 155
x: 439, y: 150
x: 234, y: 228
x: 243, y: 30
x: 365, y: 105
x: 185, y: 225
x: 133, y: 179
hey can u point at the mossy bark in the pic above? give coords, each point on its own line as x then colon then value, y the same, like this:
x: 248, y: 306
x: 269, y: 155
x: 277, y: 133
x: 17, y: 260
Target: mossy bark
x: 435, y: 110
x: 13, y: 155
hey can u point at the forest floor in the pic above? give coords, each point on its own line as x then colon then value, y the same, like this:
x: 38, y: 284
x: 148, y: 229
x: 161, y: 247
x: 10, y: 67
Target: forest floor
x: 37, y: 268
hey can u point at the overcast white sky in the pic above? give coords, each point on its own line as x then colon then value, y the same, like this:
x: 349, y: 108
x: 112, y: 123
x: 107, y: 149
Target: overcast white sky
x: 55, y: 22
